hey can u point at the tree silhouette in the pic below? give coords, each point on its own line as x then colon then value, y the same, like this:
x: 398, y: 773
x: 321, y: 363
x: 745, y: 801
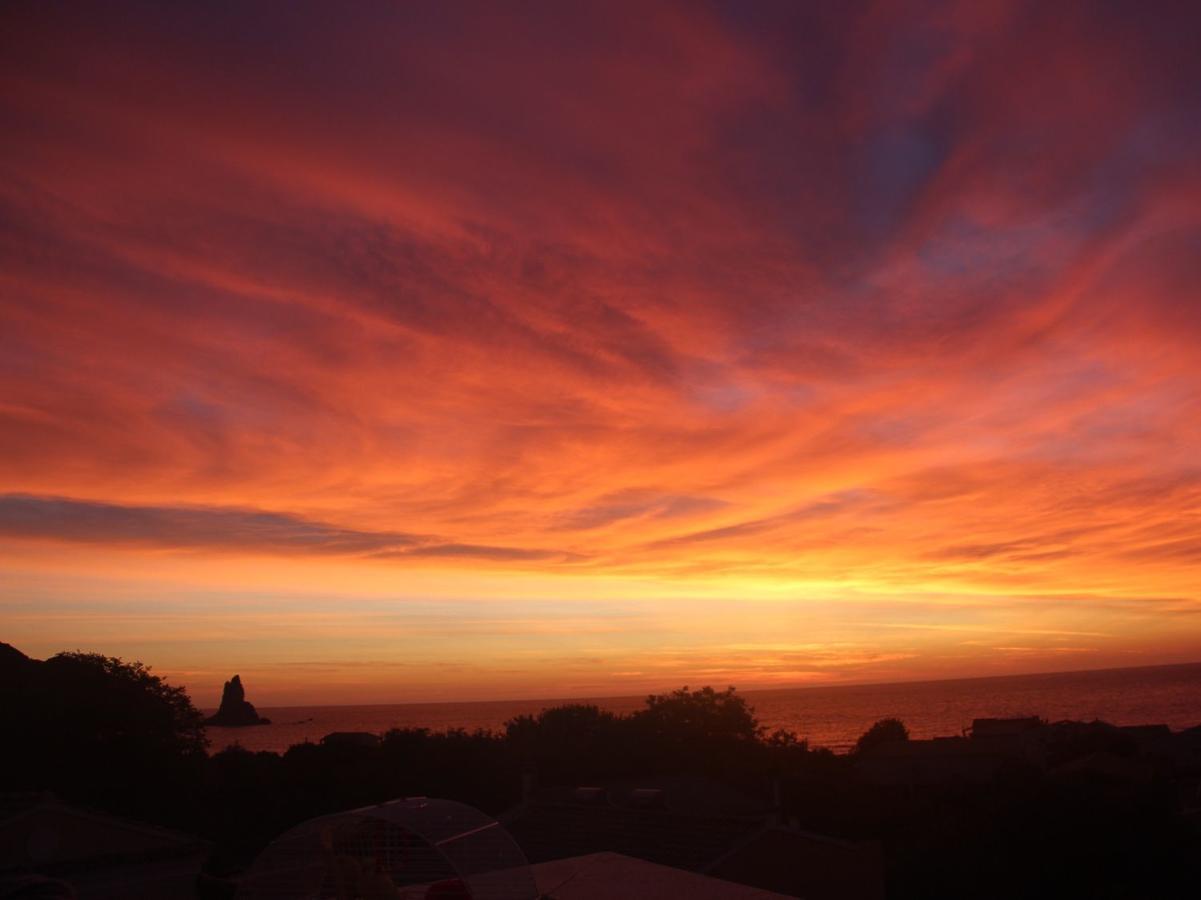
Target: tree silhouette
x: 703, y: 714
x: 885, y: 731
x: 101, y: 731
x: 574, y: 740
x: 107, y: 701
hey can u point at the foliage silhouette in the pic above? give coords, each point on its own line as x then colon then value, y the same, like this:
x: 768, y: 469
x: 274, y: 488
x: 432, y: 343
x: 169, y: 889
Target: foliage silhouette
x: 885, y: 731
x: 579, y: 739
x: 705, y: 715
x: 106, y: 733
x: 101, y: 731
x: 122, y: 704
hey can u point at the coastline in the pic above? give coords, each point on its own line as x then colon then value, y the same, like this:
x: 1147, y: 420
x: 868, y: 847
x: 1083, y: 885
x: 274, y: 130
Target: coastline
x: 829, y: 716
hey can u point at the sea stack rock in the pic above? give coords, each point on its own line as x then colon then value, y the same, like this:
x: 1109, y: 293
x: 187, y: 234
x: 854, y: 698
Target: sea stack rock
x: 235, y: 711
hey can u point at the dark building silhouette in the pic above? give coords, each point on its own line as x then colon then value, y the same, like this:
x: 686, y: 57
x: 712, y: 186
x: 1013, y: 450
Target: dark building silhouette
x: 43, y: 841
x: 697, y: 825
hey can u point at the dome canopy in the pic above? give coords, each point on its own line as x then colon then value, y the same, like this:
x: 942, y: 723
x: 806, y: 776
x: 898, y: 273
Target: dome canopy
x: 401, y: 850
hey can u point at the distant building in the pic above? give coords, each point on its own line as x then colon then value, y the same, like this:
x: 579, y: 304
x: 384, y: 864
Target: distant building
x: 1188, y: 748
x: 1151, y: 740
x: 1147, y: 734
x: 101, y: 857
x: 695, y: 825
x: 941, y: 761
x: 1004, y: 728
x: 351, y: 739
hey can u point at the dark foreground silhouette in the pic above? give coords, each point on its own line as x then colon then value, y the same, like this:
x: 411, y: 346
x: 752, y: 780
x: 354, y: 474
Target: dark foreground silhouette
x: 1018, y: 808
x: 235, y: 710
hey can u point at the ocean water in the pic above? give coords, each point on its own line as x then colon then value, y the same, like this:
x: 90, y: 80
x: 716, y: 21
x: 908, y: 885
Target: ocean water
x: 828, y: 716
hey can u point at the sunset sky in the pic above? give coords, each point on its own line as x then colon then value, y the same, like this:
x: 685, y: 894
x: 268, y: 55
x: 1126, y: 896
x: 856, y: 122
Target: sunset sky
x: 415, y: 351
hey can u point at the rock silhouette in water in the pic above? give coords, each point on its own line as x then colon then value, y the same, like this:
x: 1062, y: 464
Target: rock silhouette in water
x: 235, y: 711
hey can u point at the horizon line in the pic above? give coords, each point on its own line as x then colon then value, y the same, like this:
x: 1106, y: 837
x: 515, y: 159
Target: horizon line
x: 739, y: 690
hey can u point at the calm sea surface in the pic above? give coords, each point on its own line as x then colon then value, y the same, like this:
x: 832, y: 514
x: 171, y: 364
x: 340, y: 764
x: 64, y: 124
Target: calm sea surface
x: 828, y: 716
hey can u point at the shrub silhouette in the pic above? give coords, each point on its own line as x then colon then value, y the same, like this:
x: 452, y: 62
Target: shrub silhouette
x: 575, y: 740
x: 705, y: 715
x: 572, y: 723
x: 885, y: 731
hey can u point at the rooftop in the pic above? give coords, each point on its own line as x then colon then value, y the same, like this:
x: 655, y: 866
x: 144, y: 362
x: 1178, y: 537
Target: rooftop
x: 612, y: 876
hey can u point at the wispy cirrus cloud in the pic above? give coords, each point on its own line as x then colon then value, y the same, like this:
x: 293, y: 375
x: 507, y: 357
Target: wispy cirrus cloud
x: 862, y: 298
x: 223, y: 529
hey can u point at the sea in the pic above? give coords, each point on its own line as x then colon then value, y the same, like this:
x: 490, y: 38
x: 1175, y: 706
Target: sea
x: 829, y: 716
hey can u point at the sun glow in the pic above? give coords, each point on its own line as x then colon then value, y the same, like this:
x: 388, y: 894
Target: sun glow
x: 396, y: 379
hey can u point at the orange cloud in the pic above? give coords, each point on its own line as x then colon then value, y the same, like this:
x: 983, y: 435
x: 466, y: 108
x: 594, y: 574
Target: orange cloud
x: 746, y: 323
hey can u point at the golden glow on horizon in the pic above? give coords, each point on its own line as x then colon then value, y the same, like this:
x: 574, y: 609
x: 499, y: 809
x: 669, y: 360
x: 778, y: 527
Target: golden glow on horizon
x: 612, y: 362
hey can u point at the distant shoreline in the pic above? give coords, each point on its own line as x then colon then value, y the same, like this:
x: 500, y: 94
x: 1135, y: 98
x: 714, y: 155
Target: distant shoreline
x: 831, y: 716
x: 829, y: 686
